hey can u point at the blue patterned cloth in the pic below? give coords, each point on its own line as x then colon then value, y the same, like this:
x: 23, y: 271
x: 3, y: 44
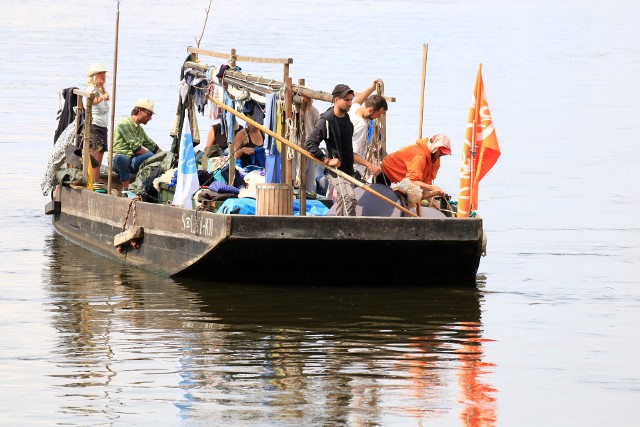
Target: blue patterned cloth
x: 221, y: 187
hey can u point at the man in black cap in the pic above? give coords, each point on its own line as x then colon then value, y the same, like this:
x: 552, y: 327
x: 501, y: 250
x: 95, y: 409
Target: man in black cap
x: 336, y: 130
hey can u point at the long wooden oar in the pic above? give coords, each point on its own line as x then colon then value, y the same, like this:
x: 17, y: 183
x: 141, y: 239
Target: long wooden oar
x: 311, y: 157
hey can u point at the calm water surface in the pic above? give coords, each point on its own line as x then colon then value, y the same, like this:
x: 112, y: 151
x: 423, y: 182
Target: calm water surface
x: 549, y: 337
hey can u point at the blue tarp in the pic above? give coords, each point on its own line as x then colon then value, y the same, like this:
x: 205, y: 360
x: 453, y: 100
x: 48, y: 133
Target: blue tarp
x: 240, y: 206
x: 247, y: 206
x: 314, y: 208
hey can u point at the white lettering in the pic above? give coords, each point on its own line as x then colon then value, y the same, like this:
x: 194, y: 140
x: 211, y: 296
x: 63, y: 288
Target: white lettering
x: 198, y: 225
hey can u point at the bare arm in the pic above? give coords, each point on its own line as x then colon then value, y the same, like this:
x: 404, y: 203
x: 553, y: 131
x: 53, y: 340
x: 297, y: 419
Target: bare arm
x: 238, y: 149
x: 375, y: 170
x: 99, y: 99
x: 362, y: 96
x: 429, y: 190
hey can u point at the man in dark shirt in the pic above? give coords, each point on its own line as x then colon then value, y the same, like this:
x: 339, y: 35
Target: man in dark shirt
x: 336, y: 130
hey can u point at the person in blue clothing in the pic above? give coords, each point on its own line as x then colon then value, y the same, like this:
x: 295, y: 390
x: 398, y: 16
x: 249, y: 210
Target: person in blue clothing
x: 335, y: 128
x: 248, y: 143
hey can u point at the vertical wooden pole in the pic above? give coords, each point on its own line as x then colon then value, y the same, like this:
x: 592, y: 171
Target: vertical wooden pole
x: 113, y: 98
x: 425, y: 50
x: 78, y: 113
x: 376, y: 157
x: 472, y: 162
x: 86, y: 156
x: 302, y: 191
x: 232, y: 59
x: 232, y: 160
x: 478, y: 101
x: 283, y: 129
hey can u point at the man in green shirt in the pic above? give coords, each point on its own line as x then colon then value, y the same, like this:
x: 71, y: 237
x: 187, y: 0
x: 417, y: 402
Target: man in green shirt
x: 131, y: 144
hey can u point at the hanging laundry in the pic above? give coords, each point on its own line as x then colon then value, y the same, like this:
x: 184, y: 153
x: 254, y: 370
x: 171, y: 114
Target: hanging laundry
x: 229, y: 119
x: 272, y: 164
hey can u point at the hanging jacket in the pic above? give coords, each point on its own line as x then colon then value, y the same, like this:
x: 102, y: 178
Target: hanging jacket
x: 66, y: 114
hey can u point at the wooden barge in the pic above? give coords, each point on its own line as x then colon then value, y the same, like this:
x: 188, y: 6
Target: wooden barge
x: 297, y: 249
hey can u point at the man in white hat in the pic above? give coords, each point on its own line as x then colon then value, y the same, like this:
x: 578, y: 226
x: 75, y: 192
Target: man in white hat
x: 131, y: 144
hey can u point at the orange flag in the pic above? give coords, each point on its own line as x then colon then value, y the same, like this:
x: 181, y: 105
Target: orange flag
x: 480, y: 151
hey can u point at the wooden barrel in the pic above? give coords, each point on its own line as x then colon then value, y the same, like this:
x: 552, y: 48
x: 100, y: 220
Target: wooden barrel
x: 274, y: 199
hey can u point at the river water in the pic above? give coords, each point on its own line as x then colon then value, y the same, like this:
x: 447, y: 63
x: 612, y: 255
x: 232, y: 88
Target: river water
x: 549, y: 336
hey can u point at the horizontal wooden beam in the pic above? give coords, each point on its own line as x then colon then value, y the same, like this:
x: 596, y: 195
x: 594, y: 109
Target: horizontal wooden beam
x: 82, y: 93
x: 274, y: 84
x: 240, y: 58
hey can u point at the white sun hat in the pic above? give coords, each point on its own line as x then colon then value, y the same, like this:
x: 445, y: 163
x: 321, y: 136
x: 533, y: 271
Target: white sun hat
x: 145, y: 103
x: 95, y: 68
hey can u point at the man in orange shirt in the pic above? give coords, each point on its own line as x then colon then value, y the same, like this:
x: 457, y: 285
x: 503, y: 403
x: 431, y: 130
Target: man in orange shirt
x: 418, y: 162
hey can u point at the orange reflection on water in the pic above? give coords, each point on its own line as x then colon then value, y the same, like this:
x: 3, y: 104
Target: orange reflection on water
x: 477, y: 397
x: 424, y: 367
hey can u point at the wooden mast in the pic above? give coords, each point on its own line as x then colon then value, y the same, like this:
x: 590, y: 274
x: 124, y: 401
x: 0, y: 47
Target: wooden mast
x: 113, y: 99
x: 425, y: 51
x: 232, y: 160
x: 302, y: 191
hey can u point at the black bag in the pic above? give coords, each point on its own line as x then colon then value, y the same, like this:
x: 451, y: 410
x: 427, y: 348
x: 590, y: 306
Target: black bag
x: 148, y: 191
x: 238, y: 180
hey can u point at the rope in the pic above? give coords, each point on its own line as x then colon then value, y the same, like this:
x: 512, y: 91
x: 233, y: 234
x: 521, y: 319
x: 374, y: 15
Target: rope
x: 126, y: 218
x: 373, y: 152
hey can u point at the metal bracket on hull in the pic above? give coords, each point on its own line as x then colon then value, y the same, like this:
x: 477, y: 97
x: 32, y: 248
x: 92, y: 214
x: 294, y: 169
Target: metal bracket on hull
x: 52, y: 208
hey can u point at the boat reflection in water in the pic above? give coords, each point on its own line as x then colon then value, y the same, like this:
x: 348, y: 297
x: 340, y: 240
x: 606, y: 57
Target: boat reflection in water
x: 136, y: 346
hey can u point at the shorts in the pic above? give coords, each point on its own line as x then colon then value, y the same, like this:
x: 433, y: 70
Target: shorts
x: 98, y: 139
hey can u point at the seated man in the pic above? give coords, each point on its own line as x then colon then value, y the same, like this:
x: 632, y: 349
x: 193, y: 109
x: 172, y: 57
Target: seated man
x: 131, y: 144
x: 418, y: 162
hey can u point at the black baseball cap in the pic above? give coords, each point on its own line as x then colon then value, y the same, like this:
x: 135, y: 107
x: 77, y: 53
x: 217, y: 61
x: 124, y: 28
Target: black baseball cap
x: 341, y: 90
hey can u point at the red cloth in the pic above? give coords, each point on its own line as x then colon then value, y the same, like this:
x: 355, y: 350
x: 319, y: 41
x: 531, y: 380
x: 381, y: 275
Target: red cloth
x: 413, y: 162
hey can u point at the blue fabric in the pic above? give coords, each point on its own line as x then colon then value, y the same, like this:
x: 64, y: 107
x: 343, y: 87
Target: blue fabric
x: 174, y: 178
x: 122, y: 165
x: 270, y: 122
x: 247, y: 206
x: 252, y: 109
x: 229, y: 119
x: 137, y: 160
x: 238, y: 177
x: 243, y: 206
x: 217, y: 176
x: 258, y: 157
x: 272, y: 161
x: 221, y: 187
x: 127, y: 166
x: 314, y: 208
x: 273, y: 168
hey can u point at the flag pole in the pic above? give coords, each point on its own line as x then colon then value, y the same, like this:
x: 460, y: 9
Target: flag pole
x: 113, y: 98
x: 473, y: 157
x: 425, y: 50
x: 473, y: 153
